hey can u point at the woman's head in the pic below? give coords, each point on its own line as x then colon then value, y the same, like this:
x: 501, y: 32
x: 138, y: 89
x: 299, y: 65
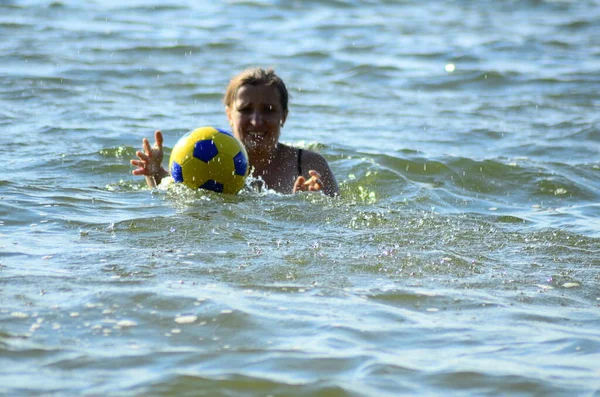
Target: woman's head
x: 256, y: 103
x: 257, y: 77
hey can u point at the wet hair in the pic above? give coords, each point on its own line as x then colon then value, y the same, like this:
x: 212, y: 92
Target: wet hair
x: 256, y: 77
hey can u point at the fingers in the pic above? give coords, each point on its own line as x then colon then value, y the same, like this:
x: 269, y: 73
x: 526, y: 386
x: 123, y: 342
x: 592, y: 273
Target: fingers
x: 312, y: 184
x: 142, y: 156
x: 148, y: 156
x: 158, y: 138
x: 299, y: 184
x: 315, y: 181
x: 141, y: 167
x: 146, y: 146
x: 141, y: 164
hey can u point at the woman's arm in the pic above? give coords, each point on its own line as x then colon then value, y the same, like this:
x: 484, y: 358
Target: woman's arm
x: 150, y: 161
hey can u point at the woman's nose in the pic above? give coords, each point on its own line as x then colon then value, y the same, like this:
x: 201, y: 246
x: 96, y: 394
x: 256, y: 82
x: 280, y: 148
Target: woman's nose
x: 256, y: 118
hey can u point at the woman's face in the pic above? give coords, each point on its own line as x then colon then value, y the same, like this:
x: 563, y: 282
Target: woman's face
x: 256, y: 117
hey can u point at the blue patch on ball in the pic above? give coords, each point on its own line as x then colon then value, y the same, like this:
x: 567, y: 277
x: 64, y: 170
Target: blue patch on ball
x: 213, y: 185
x: 205, y: 150
x: 224, y: 131
x: 176, y: 172
x: 241, y: 164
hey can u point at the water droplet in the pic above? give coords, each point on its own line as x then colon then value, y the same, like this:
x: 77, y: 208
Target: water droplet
x: 188, y: 319
x: 126, y: 323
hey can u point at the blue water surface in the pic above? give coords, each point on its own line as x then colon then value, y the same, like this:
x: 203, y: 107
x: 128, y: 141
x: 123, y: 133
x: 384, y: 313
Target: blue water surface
x: 461, y: 259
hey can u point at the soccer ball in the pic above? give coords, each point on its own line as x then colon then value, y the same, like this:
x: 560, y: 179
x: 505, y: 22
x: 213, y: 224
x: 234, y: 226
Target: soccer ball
x: 209, y: 158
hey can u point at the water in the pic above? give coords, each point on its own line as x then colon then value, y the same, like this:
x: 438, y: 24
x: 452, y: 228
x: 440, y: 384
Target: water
x: 462, y: 259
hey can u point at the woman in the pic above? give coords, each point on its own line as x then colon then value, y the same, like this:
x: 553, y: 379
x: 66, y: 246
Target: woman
x: 256, y: 103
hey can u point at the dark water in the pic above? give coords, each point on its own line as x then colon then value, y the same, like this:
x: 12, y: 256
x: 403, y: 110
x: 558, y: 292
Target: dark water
x: 462, y: 259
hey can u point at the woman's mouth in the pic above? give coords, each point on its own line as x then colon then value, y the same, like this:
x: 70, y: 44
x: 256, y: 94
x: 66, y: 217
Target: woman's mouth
x: 254, y: 139
x: 256, y: 134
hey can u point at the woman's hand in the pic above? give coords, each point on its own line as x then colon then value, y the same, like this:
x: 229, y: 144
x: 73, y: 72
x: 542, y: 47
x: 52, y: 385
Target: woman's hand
x: 312, y: 184
x: 150, y: 161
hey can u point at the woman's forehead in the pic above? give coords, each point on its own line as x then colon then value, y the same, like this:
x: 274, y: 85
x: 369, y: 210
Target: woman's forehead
x: 257, y: 94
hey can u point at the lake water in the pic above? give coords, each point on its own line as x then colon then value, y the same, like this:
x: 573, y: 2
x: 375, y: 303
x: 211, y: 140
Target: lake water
x: 463, y: 257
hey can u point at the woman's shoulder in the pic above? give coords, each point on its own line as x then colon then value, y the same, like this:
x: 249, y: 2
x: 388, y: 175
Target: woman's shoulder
x: 289, y: 150
x: 307, y: 159
x: 311, y: 158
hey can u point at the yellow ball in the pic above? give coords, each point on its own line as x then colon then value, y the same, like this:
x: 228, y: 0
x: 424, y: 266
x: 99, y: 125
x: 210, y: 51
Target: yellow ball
x: 210, y: 158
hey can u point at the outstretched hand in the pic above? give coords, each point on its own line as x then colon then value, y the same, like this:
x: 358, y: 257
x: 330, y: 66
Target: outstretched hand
x: 150, y: 161
x: 312, y: 184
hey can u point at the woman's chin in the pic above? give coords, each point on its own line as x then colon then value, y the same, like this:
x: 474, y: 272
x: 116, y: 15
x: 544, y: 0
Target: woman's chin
x: 253, y: 144
x: 259, y: 145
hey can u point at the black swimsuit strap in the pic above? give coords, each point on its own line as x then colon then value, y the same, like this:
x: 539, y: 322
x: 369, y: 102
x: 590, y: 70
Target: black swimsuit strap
x: 299, y: 162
